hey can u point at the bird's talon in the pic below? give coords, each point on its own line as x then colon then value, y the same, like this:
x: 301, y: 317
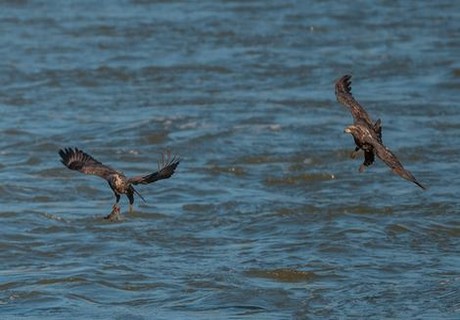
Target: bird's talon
x: 114, y: 215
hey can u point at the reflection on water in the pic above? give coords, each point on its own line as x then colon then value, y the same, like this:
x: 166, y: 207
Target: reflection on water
x: 267, y: 216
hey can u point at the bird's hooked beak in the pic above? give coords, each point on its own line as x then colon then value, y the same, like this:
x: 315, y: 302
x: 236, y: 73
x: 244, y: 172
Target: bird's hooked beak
x: 349, y: 129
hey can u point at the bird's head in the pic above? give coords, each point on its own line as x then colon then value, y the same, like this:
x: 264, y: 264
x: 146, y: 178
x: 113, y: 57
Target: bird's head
x: 350, y: 129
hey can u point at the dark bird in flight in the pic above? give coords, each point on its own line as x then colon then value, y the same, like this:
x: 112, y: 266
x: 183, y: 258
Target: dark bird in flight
x: 76, y: 159
x: 368, y: 134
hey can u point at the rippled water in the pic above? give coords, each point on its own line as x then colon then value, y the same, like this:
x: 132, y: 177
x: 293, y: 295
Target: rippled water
x: 267, y: 216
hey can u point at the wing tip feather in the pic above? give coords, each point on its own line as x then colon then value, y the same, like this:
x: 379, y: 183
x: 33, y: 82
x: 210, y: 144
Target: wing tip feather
x: 343, y: 85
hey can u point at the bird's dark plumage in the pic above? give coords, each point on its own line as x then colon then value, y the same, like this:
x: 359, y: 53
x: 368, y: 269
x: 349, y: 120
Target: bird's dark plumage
x: 165, y: 170
x: 368, y: 135
x: 345, y: 97
x: 76, y: 159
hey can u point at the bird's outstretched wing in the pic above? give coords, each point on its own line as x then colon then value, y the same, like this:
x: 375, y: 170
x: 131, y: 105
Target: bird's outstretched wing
x: 76, y: 159
x: 395, y: 165
x: 166, y: 168
x: 344, y: 96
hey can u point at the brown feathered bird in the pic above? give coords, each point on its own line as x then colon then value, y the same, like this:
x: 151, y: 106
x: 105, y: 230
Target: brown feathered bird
x: 76, y: 159
x: 368, y: 134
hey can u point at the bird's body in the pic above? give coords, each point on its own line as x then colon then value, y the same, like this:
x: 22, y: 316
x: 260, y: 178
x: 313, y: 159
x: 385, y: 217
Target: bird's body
x: 76, y: 159
x: 367, y: 134
x: 120, y: 185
